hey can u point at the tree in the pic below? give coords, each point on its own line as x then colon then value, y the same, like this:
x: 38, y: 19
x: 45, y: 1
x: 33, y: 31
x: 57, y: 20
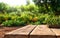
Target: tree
x: 28, y: 2
x: 3, y: 7
x: 53, y: 5
x: 30, y: 7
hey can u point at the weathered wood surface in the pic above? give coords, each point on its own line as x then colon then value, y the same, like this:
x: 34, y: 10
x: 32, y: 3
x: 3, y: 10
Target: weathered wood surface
x: 56, y: 31
x: 21, y: 32
x: 33, y: 31
x: 42, y: 32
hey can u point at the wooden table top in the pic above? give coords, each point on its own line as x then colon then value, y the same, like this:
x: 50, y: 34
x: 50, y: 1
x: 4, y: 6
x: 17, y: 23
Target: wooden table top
x: 34, y: 31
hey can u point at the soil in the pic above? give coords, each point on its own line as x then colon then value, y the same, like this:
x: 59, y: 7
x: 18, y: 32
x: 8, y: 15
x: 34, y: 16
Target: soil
x: 4, y: 30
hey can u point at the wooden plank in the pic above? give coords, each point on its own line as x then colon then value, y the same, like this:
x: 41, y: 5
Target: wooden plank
x: 56, y: 31
x: 21, y: 32
x: 42, y: 32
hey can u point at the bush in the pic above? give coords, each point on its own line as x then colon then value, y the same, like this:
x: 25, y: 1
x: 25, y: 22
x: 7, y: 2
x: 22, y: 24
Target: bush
x: 4, y: 17
x: 43, y: 18
x: 14, y: 23
x: 1, y: 19
x: 31, y: 7
x: 27, y: 17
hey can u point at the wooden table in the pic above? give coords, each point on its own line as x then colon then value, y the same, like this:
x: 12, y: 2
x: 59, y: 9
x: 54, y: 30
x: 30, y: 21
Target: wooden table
x: 34, y: 31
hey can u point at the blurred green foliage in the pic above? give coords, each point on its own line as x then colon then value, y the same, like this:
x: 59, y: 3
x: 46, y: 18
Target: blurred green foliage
x: 49, y: 5
x: 29, y: 14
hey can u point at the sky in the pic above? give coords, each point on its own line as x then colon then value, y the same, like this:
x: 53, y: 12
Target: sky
x: 15, y: 2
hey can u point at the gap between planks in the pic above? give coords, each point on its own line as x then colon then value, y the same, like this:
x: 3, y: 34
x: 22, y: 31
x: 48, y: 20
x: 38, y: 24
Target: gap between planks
x: 21, y: 32
x: 42, y: 31
x: 33, y: 31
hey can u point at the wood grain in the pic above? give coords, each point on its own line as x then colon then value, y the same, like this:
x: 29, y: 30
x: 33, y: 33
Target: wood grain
x: 21, y: 32
x: 56, y: 31
x: 42, y: 32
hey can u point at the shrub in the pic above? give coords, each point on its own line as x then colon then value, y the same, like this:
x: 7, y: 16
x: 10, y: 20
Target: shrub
x: 43, y: 18
x: 1, y: 19
x: 31, y: 7
x: 14, y: 23
x: 4, y: 17
x: 27, y: 17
